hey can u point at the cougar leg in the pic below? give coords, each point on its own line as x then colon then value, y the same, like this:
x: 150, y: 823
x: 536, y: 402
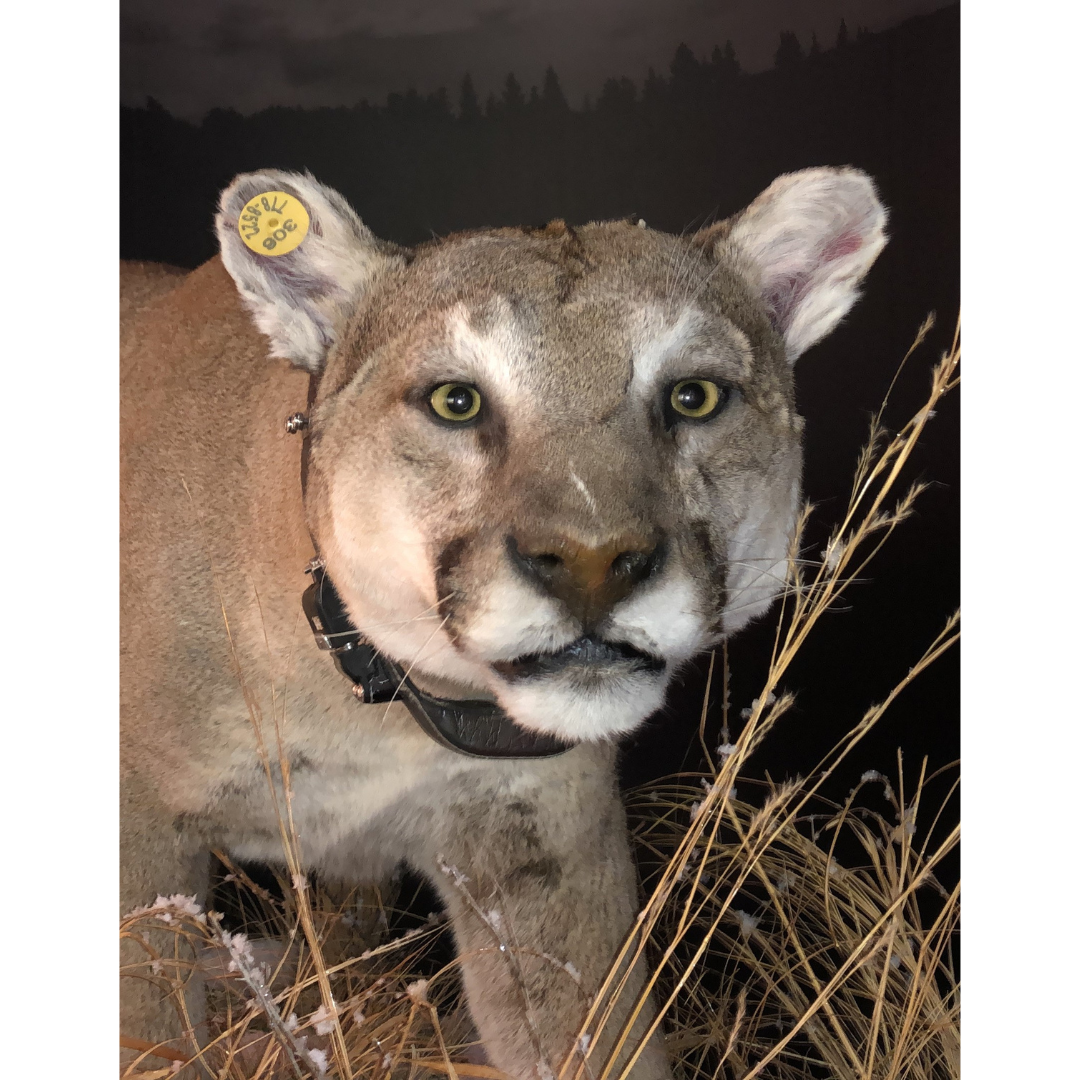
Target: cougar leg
x: 158, y: 858
x: 541, y: 891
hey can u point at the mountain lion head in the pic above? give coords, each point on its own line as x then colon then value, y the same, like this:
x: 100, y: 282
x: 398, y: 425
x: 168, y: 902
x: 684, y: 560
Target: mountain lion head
x: 554, y: 464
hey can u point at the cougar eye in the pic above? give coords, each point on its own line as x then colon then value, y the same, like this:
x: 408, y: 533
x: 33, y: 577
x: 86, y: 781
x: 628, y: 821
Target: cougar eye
x: 698, y: 398
x: 455, y: 401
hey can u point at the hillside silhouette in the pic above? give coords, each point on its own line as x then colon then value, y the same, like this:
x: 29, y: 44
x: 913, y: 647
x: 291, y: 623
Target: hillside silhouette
x: 687, y: 146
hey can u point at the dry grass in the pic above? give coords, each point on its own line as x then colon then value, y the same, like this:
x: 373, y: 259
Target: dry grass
x: 788, y: 937
x: 794, y: 963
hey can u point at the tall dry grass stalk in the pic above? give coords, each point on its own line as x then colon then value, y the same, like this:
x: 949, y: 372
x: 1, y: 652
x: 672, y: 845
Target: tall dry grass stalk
x: 772, y: 953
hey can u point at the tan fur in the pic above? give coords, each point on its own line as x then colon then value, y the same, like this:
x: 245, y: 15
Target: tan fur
x: 143, y: 282
x: 573, y: 336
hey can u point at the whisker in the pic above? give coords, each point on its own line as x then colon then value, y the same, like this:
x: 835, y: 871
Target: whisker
x: 754, y: 603
x: 421, y: 616
x: 692, y: 259
x: 413, y: 663
x: 773, y: 559
x: 705, y: 281
x: 763, y: 573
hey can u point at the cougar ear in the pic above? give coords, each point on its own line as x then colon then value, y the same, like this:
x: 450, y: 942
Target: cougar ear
x: 299, y: 298
x: 810, y: 238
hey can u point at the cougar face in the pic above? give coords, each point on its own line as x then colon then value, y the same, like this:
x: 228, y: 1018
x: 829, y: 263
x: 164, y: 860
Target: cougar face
x: 553, y: 465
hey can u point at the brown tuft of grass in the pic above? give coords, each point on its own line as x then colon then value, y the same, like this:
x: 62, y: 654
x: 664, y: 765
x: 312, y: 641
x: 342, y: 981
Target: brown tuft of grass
x: 794, y: 963
x: 267, y: 1017
x: 788, y: 936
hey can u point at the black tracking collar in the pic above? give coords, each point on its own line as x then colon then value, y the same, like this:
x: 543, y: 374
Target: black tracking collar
x: 475, y: 728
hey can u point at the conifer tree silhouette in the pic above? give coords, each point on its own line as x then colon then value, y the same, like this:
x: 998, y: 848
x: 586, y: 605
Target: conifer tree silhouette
x: 723, y: 64
x: 437, y: 104
x: 468, y: 102
x: 513, y: 98
x: 842, y: 35
x: 789, y: 55
x: 553, y: 98
x: 730, y: 61
x: 686, y: 79
x: 618, y: 97
x: 653, y: 93
x: 685, y: 67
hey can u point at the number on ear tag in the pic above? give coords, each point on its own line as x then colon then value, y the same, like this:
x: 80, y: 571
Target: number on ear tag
x: 273, y: 223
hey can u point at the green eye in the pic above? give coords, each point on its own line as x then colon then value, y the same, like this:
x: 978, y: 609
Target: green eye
x: 697, y: 398
x: 455, y: 401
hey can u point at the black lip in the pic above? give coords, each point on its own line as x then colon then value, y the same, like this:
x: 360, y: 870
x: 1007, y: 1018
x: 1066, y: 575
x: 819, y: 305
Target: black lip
x: 591, y: 651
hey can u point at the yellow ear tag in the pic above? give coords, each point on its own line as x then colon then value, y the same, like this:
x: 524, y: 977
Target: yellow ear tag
x: 273, y: 223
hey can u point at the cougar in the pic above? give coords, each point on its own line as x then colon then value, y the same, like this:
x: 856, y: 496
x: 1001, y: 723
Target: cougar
x: 532, y: 472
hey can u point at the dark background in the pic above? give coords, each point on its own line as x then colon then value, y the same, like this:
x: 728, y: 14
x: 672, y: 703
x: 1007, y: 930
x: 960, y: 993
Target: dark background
x: 682, y: 147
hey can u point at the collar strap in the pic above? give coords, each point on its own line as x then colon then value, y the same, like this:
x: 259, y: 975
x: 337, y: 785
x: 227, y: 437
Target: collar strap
x: 475, y: 728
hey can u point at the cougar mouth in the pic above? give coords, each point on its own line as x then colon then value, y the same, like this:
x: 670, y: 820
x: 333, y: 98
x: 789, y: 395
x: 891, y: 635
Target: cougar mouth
x: 587, y: 652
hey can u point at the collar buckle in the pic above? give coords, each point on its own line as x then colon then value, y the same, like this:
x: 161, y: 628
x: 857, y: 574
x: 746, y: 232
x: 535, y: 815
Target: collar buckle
x: 334, y: 642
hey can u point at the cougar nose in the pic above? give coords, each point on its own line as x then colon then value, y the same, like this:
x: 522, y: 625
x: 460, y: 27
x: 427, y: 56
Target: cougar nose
x: 590, y: 581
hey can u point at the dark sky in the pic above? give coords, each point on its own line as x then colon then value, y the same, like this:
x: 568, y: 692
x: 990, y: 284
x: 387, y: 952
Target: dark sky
x: 201, y: 53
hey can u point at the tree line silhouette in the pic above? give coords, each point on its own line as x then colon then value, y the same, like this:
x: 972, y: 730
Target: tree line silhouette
x: 701, y: 139
x: 680, y: 148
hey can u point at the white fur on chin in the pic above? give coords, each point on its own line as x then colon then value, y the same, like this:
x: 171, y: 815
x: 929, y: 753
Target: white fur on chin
x: 555, y: 705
